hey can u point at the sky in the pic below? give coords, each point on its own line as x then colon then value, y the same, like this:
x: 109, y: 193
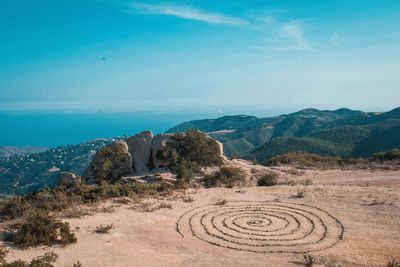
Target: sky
x: 171, y: 55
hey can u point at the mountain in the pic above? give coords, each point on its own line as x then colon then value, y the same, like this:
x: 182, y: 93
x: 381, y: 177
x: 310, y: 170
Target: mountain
x: 6, y: 151
x: 342, y: 132
x: 20, y: 174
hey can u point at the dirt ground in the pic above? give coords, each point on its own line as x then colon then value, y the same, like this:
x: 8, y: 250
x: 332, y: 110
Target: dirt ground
x: 347, y: 218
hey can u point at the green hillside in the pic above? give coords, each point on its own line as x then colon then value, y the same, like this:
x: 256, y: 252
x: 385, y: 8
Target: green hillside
x: 282, y: 145
x: 342, y: 132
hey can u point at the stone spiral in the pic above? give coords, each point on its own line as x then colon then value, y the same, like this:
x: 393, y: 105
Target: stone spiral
x: 263, y: 227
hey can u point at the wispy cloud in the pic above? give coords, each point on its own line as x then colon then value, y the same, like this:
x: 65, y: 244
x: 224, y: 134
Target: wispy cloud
x: 287, y: 36
x: 282, y: 35
x: 335, y: 39
x: 185, y: 12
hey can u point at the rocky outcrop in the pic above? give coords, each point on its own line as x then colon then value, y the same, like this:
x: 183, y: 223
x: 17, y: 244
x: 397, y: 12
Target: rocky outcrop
x: 218, y: 147
x: 136, y: 156
x: 110, y: 163
x: 139, y: 147
x: 159, y: 143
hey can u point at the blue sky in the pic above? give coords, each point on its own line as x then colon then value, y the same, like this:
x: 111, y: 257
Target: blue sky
x: 133, y: 55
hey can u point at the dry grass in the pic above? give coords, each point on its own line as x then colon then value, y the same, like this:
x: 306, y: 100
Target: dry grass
x: 221, y: 202
x: 104, y: 229
x: 150, y: 206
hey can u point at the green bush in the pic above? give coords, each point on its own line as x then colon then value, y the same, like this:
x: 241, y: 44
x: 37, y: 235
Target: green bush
x: 40, y: 261
x: 114, y: 158
x: 41, y: 228
x: 268, y: 179
x: 228, y: 176
x: 188, y: 152
x: 196, y: 147
x: 13, y: 208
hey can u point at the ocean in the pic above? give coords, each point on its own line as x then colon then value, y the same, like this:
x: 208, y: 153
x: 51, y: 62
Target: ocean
x: 51, y: 129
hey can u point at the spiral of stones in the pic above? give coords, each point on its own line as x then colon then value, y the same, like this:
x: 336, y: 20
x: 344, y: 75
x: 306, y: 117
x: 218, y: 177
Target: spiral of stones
x: 263, y: 227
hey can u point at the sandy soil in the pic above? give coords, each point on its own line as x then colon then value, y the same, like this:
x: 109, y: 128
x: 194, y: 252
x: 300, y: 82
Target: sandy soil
x: 351, y: 218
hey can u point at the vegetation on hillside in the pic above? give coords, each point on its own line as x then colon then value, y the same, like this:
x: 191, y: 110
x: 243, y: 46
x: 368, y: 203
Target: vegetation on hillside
x: 391, y: 155
x: 342, y: 132
x: 20, y: 175
x: 308, y: 160
x: 279, y: 146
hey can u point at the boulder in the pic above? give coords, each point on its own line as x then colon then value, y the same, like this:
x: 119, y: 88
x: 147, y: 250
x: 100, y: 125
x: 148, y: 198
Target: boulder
x: 110, y: 163
x: 219, y: 148
x: 68, y: 179
x: 139, y: 147
x: 159, y: 143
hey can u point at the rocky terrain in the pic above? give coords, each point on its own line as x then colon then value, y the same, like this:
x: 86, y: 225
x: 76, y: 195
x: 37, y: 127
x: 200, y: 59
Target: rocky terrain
x: 136, y: 156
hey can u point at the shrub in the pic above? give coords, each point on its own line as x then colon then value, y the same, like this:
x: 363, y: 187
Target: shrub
x: 393, y: 154
x: 40, y: 228
x: 268, y: 179
x: 188, y: 199
x: 61, y: 199
x: 221, y: 202
x: 393, y: 263
x: 66, y: 237
x: 40, y: 261
x: 301, y: 159
x: 228, y: 176
x: 186, y: 170
x: 103, y: 229
x: 299, y: 194
x: 12, y: 208
x: 3, y: 254
x: 49, y: 199
x: 44, y: 260
x: 309, y: 260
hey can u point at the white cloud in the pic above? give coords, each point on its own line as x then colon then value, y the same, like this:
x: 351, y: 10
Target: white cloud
x: 335, y: 39
x: 185, y: 12
x: 283, y: 35
x: 290, y: 36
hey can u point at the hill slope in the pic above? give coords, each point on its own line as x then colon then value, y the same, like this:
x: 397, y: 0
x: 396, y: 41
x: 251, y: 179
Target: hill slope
x: 22, y: 174
x: 341, y: 132
x: 6, y: 151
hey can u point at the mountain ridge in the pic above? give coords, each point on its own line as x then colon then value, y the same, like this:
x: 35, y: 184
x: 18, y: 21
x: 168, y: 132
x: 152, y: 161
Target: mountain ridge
x: 339, y: 132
